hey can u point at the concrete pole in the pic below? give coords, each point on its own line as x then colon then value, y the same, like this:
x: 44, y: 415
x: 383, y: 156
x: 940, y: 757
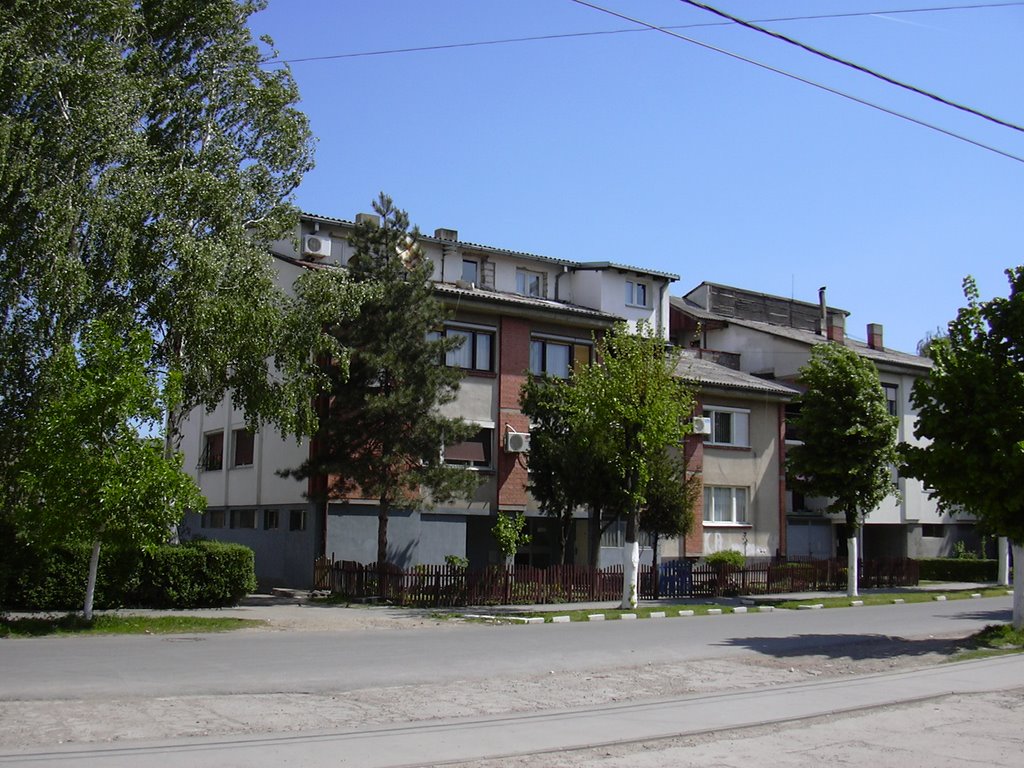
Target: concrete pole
x: 1004, y: 561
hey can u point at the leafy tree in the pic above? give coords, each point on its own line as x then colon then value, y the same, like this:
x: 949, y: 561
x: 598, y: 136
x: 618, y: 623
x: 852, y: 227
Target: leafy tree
x: 147, y: 160
x: 383, y: 431
x: 509, y: 533
x: 971, y: 410
x: 849, y: 440
x: 86, y: 474
x: 630, y: 410
x: 672, y: 494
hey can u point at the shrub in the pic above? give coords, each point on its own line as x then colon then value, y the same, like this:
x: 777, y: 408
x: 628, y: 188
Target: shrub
x: 205, y: 573
x: 953, y: 569
x: 726, y: 557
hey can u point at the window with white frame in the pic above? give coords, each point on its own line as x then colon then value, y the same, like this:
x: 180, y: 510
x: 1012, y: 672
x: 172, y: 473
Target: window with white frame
x: 636, y: 294
x: 725, y: 504
x: 474, y: 452
x: 557, y: 357
x: 891, y: 398
x: 212, y: 458
x: 729, y: 426
x: 530, y: 283
x: 242, y: 448
x: 471, y: 271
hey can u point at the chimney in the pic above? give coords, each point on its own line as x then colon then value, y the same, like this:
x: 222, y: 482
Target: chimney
x: 369, y: 218
x: 836, y: 327
x: 875, y: 336
x: 823, y: 319
x: 446, y: 234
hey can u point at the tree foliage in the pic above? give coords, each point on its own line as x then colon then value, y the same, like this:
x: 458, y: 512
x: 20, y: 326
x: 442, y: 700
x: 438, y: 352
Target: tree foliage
x: 971, y: 410
x: 86, y: 475
x: 383, y: 430
x: 849, y: 437
x: 618, y: 417
x: 146, y: 162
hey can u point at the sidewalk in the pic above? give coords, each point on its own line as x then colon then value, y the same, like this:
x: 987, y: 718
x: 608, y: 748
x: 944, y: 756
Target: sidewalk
x: 506, y: 736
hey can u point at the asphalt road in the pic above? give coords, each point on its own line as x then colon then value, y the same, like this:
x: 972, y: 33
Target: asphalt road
x: 272, y: 662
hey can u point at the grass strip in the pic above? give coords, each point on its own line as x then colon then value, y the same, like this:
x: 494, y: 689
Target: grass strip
x: 887, y: 598
x: 113, y: 624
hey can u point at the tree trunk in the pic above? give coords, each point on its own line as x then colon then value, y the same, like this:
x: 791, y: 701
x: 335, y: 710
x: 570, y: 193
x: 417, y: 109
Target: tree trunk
x: 382, y: 546
x: 630, y: 564
x: 90, y: 587
x: 1018, y: 585
x: 852, y: 566
x: 1004, y: 561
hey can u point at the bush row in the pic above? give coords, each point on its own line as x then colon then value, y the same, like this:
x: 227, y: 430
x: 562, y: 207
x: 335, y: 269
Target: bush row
x: 952, y: 569
x: 192, y: 575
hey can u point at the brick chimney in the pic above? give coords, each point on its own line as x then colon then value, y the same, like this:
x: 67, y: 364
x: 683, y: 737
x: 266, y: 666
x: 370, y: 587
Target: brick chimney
x: 875, y: 336
x: 836, y: 327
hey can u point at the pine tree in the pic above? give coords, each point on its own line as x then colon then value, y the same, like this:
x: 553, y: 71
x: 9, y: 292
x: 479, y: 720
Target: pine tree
x: 382, y: 434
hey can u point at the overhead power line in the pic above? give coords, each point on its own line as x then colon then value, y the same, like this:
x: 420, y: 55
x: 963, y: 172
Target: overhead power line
x: 852, y: 65
x: 631, y: 30
x: 804, y: 80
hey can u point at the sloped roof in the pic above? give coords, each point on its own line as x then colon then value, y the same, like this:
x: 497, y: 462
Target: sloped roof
x: 708, y: 373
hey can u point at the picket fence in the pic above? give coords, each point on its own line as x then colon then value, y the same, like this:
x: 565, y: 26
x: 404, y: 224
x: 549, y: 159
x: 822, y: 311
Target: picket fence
x: 445, y: 585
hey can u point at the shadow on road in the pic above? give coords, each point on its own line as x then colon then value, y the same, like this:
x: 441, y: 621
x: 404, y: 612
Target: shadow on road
x: 854, y: 647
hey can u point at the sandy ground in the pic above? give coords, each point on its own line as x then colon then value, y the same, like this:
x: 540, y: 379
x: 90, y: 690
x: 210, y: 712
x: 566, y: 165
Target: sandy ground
x: 943, y: 728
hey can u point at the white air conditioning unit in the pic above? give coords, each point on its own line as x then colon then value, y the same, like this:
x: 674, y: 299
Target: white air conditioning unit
x: 701, y: 425
x: 316, y: 246
x: 517, y: 442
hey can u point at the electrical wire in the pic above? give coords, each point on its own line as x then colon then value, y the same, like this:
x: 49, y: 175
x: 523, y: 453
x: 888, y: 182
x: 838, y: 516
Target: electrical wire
x: 569, y: 35
x: 804, y: 80
x: 852, y: 65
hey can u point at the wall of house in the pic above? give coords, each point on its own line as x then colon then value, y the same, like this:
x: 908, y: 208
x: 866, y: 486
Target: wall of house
x: 760, y: 352
x: 414, y: 537
x: 755, y: 468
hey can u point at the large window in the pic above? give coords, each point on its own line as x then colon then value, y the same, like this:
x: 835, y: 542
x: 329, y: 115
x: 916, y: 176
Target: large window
x: 476, y: 353
x: 243, y: 518
x: 474, y: 452
x: 242, y: 449
x: 213, y: 518
x: 729, y: 426
x: 471, y: 271
x: 530, y: 283
x: 213, y: 451
x: 636, y: 294
x: 557, y: 358
x: 725, y: 504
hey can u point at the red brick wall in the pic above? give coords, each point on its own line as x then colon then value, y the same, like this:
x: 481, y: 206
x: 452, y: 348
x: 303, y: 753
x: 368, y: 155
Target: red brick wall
x: 513, y: 362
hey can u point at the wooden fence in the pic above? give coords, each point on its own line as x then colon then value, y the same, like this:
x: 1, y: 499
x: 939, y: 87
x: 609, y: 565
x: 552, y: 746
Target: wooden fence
x: 444, y: 585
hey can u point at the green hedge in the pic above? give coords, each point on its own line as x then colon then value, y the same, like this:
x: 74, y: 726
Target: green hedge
x: 192, y: 575
x: 954, y: 569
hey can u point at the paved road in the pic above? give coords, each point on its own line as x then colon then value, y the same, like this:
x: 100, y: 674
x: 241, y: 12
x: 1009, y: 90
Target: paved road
x: 271, y: 662
x: 435, y: 742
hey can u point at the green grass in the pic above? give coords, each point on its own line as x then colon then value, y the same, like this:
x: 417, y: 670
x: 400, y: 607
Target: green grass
x: 108, y: 624
x: 886, y: 598
x: 993, y: 640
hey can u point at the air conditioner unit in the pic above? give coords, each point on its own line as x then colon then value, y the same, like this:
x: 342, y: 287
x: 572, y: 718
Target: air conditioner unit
x: 701, y: 425
x: 316, y: 246
x: 517, y: 442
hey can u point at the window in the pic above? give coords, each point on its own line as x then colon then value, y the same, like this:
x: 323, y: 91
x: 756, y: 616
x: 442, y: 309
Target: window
x: 474, y: 452
x: 557, y: 358
x: 242, y: 449
x: 636, y: 294
x: 792, y: 414
x: 214, y: 518
x: 725, y: 505
x: 271, y: 520
x: 891, y: 397
x: 933, y: 531
x: 243, y: 518
x: 729, y: 426
x: 213, y: 451
x: 615, y: 536
x: 297, y: 520
x: 471, y: 271
x: 476, y: 353
x: 530, y: 283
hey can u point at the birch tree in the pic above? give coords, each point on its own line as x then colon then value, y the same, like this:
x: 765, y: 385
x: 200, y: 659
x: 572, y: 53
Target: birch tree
x: 849, y: 441
x: 971, y: 412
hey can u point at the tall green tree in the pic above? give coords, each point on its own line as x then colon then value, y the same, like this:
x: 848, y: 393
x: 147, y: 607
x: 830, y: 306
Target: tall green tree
x: 849, y: 440
x: 147, y: 159
x: 383, y: 432
x: 631, y: 410
x: 86, y: 474
x: 971, y: 413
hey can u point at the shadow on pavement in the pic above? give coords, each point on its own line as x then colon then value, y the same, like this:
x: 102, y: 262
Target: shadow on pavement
x: 854, y: 647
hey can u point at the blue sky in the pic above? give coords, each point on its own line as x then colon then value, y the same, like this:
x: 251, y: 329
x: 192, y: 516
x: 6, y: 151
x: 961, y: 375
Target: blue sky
x: 645, y: 149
